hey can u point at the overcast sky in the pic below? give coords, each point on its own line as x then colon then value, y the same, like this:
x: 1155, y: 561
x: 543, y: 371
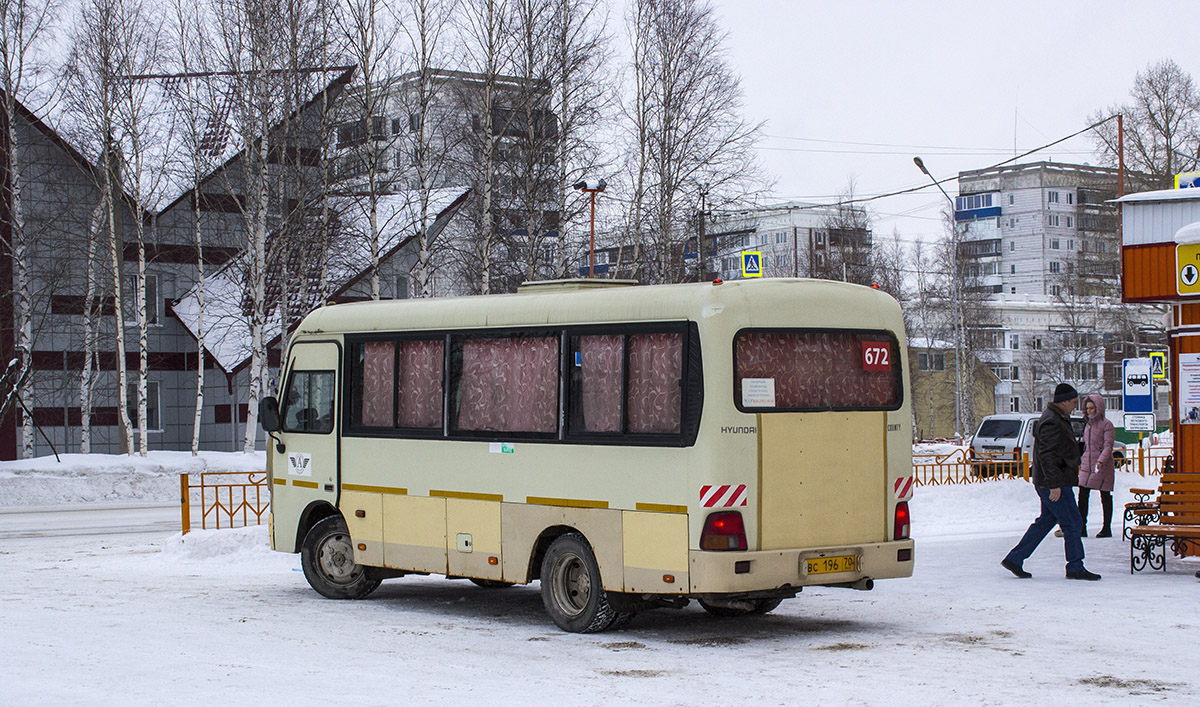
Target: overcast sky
x: 953, y: 82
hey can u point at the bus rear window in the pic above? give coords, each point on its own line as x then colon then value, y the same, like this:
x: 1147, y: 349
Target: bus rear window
x: 816, y: 369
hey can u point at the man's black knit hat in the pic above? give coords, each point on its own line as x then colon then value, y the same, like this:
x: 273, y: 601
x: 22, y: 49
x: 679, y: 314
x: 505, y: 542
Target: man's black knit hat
x: 1064, y: 392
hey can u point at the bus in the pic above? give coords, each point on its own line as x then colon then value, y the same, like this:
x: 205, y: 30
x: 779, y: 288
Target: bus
x: 628, y: 446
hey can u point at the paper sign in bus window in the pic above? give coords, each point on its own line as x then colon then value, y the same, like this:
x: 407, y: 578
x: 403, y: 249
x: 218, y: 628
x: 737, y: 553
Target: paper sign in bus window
x: 758, y: 392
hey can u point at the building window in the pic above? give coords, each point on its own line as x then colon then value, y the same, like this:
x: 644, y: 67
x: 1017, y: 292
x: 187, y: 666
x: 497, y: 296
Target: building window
x: 1016, y: 373
x: 1055, y: 267
x: 1010, y: 199
x: 1054, y: 244
x: 1012, y: 246
x: 1052, y: 197
x: 1068, y: 222
x: 1055, y: 290
x: 1052, y: 220
x: 781, y: 237
x: 931, y: 362
x: 153, y: 420
x: 153, y: 301
x: 1039, y: 403
x: 1114, y: 402
x: 1037, y: 374
x: 1015, y: 405
x: 1012, y: 269
x: 1070, y: 199
x: 1070, y: 241
x: 1014, y: 342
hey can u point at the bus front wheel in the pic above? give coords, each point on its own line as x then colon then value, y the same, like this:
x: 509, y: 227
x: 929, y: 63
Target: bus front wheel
x: 571, y: 588
x: 327, y: 557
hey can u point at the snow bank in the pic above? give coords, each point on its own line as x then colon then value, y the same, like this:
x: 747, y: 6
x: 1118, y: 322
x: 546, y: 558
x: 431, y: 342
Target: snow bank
x: 111, y: 478
x: 249, y: 545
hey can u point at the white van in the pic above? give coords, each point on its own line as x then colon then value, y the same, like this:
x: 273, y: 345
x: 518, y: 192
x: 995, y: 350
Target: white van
x: 1001, y: 438
x: 1009, y: 436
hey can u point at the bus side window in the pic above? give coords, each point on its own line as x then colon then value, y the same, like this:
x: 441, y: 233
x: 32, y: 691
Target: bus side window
x: 308, y: 404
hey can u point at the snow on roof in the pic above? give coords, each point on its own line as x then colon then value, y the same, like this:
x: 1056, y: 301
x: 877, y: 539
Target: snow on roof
x: 227, y: 326
x: 921, y: 342
x: 1160, y: 195
x: 186, y: 124
x: 1189, y: 233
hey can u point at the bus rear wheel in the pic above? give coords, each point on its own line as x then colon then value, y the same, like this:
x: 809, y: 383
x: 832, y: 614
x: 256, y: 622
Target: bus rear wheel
x: 571, y: 589
x: 757, y: 606
x: 327, y: 557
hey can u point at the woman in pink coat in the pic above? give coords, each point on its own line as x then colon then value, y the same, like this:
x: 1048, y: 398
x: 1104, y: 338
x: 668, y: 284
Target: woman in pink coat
x: 1096, y: 466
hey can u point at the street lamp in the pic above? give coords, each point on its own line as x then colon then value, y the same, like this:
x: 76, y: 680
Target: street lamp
x: 591, y: 187
x: 954, y: 303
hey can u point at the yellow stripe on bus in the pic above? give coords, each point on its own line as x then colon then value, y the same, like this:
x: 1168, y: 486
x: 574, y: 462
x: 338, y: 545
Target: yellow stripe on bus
x: 661, y: 508
x: 466, y: 495
x: 375, y: 489
x: 281, y: 482
x: 304, y: 484
x: 567, y: 502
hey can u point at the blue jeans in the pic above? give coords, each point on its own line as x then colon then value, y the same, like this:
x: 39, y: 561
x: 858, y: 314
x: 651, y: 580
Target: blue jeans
x: 1064, y: 513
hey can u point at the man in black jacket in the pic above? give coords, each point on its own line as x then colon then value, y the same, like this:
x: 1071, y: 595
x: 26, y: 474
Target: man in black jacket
x: 1055, y: 474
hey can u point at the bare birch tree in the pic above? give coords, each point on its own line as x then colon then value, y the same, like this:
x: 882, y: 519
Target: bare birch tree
x: 1162, y: 124
x: 94, y: 73
x: 688, y: 130
x: 561, y: 52
x: 430, y: 142
x: 371, y: 31
x: 25, y: 27
x: 488, y: 40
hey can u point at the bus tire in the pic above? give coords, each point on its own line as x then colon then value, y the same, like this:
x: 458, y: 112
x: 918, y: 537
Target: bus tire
x: 759, y: 606
x: 571, y: 588
x: 490, y: 583
x: 327, y: 557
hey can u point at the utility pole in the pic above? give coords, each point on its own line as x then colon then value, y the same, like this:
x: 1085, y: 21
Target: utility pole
x: 955, y: 284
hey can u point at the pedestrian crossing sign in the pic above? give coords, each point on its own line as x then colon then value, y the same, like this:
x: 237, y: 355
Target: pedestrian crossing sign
x: 1158, y: 364
x: 752, y: 264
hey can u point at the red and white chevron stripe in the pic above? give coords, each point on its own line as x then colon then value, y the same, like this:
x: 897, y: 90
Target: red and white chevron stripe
x: 723, y: 496
x: 904, y: 488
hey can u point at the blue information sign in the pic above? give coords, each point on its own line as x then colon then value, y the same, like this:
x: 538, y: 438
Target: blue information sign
x: 1137, y: 385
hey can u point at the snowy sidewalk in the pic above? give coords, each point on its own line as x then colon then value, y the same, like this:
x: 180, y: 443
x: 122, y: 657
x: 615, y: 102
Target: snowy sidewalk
x: 219, y: 618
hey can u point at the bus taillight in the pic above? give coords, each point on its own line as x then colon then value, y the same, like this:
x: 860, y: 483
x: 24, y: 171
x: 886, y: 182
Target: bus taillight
x: 723, y: 530
x: 902, y: 520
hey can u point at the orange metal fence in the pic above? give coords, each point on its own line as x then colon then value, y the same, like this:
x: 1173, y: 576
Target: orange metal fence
x: 960, y: 466
x: 228, y: 499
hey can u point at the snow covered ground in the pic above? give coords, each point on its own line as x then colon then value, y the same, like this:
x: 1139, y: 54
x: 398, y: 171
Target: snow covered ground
x: 114, y: 617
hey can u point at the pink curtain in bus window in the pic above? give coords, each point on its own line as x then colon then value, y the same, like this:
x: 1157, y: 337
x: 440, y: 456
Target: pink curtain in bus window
x: 655, y: 368
x: 378, y: 371
x: 814, y: 369
x: 509, y: 385
x: 420, y: 384
x: 601, y: 358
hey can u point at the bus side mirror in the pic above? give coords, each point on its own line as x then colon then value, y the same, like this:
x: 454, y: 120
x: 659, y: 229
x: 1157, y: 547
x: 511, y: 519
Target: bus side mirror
x: 268, y: 414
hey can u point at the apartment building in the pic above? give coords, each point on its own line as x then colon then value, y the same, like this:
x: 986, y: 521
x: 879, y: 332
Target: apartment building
x: 795, y: 239
x: 1041, y: 240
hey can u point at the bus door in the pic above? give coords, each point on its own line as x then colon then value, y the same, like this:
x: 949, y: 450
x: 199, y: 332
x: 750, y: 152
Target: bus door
x: 309, y: 419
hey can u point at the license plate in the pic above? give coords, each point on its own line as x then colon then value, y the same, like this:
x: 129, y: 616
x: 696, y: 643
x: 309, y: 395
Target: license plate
x: 826, y: 565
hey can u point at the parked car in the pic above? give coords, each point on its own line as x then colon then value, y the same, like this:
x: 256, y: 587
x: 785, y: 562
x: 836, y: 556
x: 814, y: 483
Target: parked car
x: 1009, y: 435
x: 1000, y: 438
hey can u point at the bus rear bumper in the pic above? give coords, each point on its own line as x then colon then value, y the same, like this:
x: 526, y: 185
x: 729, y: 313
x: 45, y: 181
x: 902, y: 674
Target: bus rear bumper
x: 734, y: 572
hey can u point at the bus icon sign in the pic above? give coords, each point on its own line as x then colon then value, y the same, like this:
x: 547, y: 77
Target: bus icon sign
x: 752, y: 264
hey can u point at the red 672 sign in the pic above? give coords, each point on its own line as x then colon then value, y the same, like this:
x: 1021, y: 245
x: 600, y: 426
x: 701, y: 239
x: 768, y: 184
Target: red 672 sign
x: 877, y: 356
